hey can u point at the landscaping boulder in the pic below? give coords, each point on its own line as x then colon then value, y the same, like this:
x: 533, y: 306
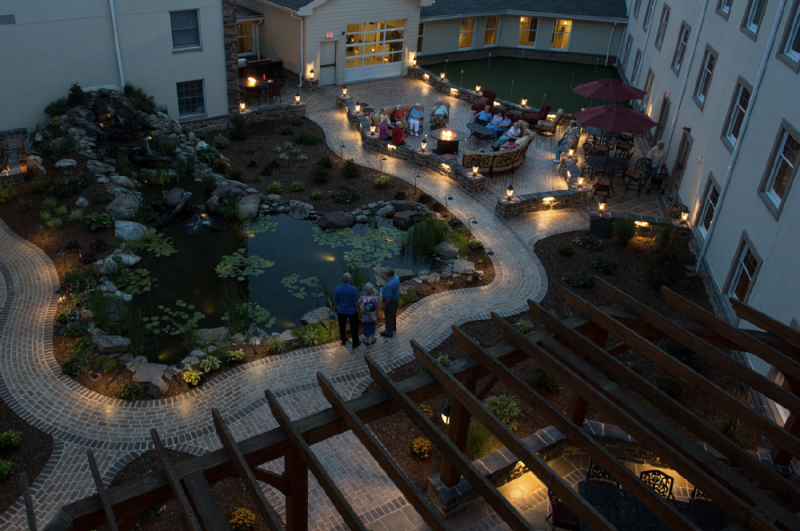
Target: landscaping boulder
x: 124, y: 182
x: 95, y: 166
x: 337, y: 220
x: 197, y: 353
x: 35, y: 164
x: 209, y: 335
x: 248, y: 206
x: 315, y: 316
x: 66, y: 163
x: 135, y: 362
x: 237, y: 338
x: 157, y: 389
x: 149, y: 372
x: 188, y: 361
x: 130, y: 259
x: 463, y: 267
x: 402, y: 274
x: 446, y: 251
x: 286, y: 335
x: 385, y: 212
x: 226, y: 190
x: 404, y: 220
x: 129, y: 230
x: 299, y: 210
x: 173, y: 197
x: 404, y: 206
x: 82, y: 202
x: 123, y: 208
x: 212, y: 204
x: 107, y: 344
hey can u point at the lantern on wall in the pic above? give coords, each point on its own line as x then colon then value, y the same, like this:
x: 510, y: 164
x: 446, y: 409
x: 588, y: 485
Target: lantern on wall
x: 297, y: 98
x: 477, y: 88
x: 311, y: 74
x: 509, y: 192
x: 344, y: 90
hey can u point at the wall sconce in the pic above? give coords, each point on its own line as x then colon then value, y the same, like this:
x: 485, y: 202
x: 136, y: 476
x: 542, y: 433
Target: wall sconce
x: 524, y: 102
x: 358, y: 107
x: 446, y: 415
x: 424, y: 143
x: 311, y: 74
x: 426, y: 77
x: 241, y: 106
x: 441, y: 76
x: 509, y: 192
x: 477, y: 88
x: 475, y: 170
x: 684, y: 214
x: 297, y: 98
x: 344, y: 90
x: 372, y: 130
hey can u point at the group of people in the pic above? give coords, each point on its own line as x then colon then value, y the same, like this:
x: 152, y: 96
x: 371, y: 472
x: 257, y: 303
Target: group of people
x: 392, y: 123
x: 507, y: 133
x: 352, y: 307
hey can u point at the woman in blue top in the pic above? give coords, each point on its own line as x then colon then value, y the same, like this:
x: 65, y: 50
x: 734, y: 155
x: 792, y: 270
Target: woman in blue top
x: 503, y: 126
x: 414, y: 119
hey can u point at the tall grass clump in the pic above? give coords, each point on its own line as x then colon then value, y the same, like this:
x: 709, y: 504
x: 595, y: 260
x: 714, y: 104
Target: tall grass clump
x: 236, y: 308
x: 98, y: 304
x: 134, y: 330
x: 422, y: 237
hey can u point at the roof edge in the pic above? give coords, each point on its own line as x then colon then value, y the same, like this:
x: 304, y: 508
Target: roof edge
x: 525, y: 14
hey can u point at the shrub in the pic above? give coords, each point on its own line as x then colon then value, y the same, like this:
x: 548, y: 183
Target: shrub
x: 408, y: 298
x: 276, y: 345
x: 239, y: 128
x: 320, y: 173
x: 76, y: 215
x: 524, y: 326
x: 55, y: 223
x: 75, y: 366
x: 10, y: 439
x: 307, y: 138
x: 670, y: 386
x: 141, y: 100
x: 381, y: 181
x: 49, y: 204
x: 242, y: 519
x: 325, y: 162
x: 506, y: 409
x: 101, y: 198
x: 235, y: 173
x: 295, y: 120
x: 346, y: 193
x: 221, y: 142
x: 57, y: 107
x: 589, y: 241
x: 731, y: 428
x: 479, y: 440
x: 604, y: 263
x: 74, y: 329
x: 421, y: 448
x: 209, y: 183
x: 664, y: 236
x: 579, y: 279
x: 664, y: 262
x: 287, y: 130
x: 220, y: 165
x: 211, y: 363
x: 98, y: 221
x: 297, y: 186
x: 40, y: 183
x: 316, y: 194
x: 257, y: 179
x: 300, y: 157
x: 565, y: 250
x: 207, y: 154
x: 624, y: 230
x: 6, y: 470
x: 351, y: 169
x: 234, y: 355
x: 109, y: 362
x: 426, y: 410
x: 543, y: 380
x: 229, y: 207
x: 192, y: 377
x: 7, y: 194
x: 81, y: 347
x: 131, y: 391
x: 54, y: 121
x: 200, y: 134
x: 685, y: 355
x: 275, y: 188
x: 474, y: 244
x: 76, y: 96
x: 444, y: 360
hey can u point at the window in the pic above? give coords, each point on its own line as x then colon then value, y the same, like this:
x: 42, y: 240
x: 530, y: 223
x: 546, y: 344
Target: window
x: 792, y: 47
x: 744, y: 274
x: 782, y: 411
x: 709, y: 208
x: 783, y: 168
x: 725, y: 6
x: 467, y: 29
x: 753, y: 16
x: 648, y: 89
x: 738, y: 109
x: 374, y: 43
x: 527, y: 31
x: 662, y: 27
x: 636, y: 64
x: 706, y: 73
x: 420, y: 36
x: 190, y: 98
x: 680, y: 50
x: 490, y: 37
x: 561, y: 32
x: 185, y: 29
x: 651, y: 4
x: 636, y: 6
x: 627, y: 54
x: 244, y: 34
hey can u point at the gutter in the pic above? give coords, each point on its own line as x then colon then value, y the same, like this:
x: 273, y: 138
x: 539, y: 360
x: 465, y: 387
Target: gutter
x: 745, y: 121
x: 610, y: 40
x: 523, y: 14
x: 302, y: 66
x: 116, y: 44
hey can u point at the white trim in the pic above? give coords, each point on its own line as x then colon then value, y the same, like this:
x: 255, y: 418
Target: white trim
x: 192, y: 46
x: 735, y: 109
x: 496, y: 31
x: 203, y: 89
x: 751, y: 23
x: 707, y: 204
x: 788, y: 51
x: 742, y: 269
x: 725, y: 6
x: 706, y: 74
x: 567, y: 33
x: 662, y: 27
x: 683, y: 41
x: 471, y: 32
x: 535, y: 33
x: 780, y: 158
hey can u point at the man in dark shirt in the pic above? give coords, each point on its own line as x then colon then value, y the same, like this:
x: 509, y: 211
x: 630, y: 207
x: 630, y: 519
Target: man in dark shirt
x: 390, y: 298
x: 345, y: 304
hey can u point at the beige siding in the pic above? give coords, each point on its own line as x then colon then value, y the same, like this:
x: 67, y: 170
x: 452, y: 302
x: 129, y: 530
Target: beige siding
x: 441, y: 36
x: 509, y: 31
x: 334, y: 15
x: 279, y: 35
x: 593, y: 37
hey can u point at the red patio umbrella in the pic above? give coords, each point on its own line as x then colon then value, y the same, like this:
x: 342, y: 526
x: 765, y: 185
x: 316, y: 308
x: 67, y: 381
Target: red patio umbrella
x: 615, y: 119
x: 610, y: 90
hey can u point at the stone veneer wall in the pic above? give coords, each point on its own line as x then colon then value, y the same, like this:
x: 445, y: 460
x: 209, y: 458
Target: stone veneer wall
x: 260, y: 114
x: 12, y: 142
x: 547, y: 55
x: 231, y: 53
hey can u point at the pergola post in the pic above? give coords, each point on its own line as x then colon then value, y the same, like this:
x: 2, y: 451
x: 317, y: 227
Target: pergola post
x: 457, y: 432
x: 296, y: 472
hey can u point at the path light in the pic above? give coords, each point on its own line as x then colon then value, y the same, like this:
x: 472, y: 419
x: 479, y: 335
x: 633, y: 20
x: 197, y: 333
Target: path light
x: 524, y: 102
x: 509, y: 192
x: 297, y: 98
x: 312, y: 74
x: 358, y: 107
x: 446, y: 415
x: 447, y: 200
x: 344, y: 90
x: 477, y: 88
x: 475, y: 170
x: 415, y: 186
x: 571, y: 153
x: 341, y: 151
x: 441, y: 76
x: 382, y: 159
x: 241, y: 106
x: 372, y: 130
x: 424, y: 143
x: 602, y: 207
x: 489, y: 251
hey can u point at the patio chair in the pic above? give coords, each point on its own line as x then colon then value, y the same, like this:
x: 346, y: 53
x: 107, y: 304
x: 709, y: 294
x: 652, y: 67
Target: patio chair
x: 560, y: 515
x: 603, y: 145
x: 604, y: 187
x: 252, y: 92
x: 548, y: 127
x: 657, y: 181
x: 274, y: 91
x: 487, y: 98
x: 698, y: 498
x: 638, y: 175
x: 599, y: 476
x: 659, y: 482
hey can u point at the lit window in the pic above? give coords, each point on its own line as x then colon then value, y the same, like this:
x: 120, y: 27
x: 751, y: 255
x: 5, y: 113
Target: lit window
x: 662, y: 28
x: 244, y: 33
x: 636, y: 64
x: 725, y: 6
x: 465, y: 36
x: 782, y: 169
x: 648, y: 14
x: 706, y: 74
x: 754, y: 13
x: 527, y: 31
x: 627, y: 54
x: 185, y: 29
x: 561, y: 32
x: 709, y: 208
x: 374, y: 43
x: 738, y: 110
x: 191, y: 99
x: 680, y: 50
x: 492, y: 25
x: 792, y: 48
x: 744, y: 275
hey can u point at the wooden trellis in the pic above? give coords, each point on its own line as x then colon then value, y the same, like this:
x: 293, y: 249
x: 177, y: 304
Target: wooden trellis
x: 575, y: 349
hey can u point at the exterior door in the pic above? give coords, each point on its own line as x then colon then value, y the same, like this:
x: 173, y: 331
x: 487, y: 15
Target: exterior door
x: 327, y: 63
x: 663, y: 117
x: 683, y: 158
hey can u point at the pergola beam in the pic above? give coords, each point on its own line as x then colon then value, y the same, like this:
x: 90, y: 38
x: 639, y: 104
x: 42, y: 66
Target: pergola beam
x: 174, y: 482
x: 765, y: 322
x: 101, y: 491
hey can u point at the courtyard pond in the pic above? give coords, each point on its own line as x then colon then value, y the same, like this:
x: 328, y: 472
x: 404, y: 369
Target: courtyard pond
x: 535, y: 79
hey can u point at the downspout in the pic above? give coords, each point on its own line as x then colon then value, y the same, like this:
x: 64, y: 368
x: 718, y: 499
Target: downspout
x: 116, y: 43
x: 610, y: 40
x: 745, y: 121
x: 302, y: 48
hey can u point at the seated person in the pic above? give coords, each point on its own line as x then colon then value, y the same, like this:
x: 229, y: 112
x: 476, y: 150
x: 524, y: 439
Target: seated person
x: 485, y: 116
x: 397, y: 134
x: 383, y: 129
x: 567, y: 143
x: 415, y: 118
x: 438, y: 115
x: 514, y: 133
x: 572, y: 129
x: 398, y: 115
x: 509, y: 145
x: 502, y: 127
x: 385, y: 114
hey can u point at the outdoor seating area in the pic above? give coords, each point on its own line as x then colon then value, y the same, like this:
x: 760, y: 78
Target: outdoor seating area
x: 261, y: 82
x: 491, y: 162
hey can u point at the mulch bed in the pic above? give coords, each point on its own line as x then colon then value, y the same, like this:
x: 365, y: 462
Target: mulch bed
x: 29, y: 457
x: 396, y: 432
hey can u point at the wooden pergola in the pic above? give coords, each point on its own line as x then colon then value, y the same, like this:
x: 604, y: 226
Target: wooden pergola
x: 750, y: 491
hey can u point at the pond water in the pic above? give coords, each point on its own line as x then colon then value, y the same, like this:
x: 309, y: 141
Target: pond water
x: 279, y: 262
x: 513, y: 79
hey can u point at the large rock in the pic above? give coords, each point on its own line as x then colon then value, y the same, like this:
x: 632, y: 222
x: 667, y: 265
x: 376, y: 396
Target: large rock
x: 152, y: 373
x: 226, y: 190
x: 402, y: 274
x: 248, y: 206
x: 123, y: 208
x: 95, y: 166
x: 299, y: 210
x: 315, y: 316
x: 130, y: 259
x: 446, y: 250
x: 404, y: 220
x: 337, y: 220
x: 66, y: 163
x: 212, y: 204
x: 122, y: 181
x: 173, y: 197
x: 35, y: 164
x: 82, y: 202
x: 385, y: 212
x: 463, y: 266
x: 108, y: 344
x: 129, y: 230
x: 209, y: 335
x: 404, y: 206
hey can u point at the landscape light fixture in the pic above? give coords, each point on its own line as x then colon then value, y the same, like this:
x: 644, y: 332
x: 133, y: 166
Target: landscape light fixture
x: 602, y: 207
x: 312, y: 74
x: 524, y: 102
x: 297, y: 98
x: 509, y: 192
x: 382, y: 159
x: 344, y: 90
x: 341, y: 151
x: 424, y: 143
x: 241, y: 106
x: 477, y: 88
x: 441, y: 76
x: 372, y: 130
x: 415, y: 186
x: 358, y: 107
x: 426, y: 76
x: 475, y: 170
x: 446, y: 415
x: 684, y: 214
x: 415, y: 60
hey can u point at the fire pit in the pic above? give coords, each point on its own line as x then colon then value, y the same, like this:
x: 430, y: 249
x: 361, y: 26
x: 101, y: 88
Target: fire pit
x: 447, y: 140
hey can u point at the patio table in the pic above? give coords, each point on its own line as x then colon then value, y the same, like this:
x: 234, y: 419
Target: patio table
x: 626, y: 512
x: 479, y: 131
x: 605, y: 164
x: 447, y: 145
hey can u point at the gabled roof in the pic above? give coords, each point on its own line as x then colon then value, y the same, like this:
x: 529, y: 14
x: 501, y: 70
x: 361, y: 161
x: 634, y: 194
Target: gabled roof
x: 291, y: 4
x: 585, y: 9
x: 245, y: 13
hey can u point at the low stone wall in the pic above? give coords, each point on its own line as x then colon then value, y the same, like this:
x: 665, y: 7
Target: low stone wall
x: 265, y: 113
x: 423, y: 159
x: 547, y: 55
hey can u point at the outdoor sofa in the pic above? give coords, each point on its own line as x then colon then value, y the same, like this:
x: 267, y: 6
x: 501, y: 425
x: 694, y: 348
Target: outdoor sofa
x: 492, y: 162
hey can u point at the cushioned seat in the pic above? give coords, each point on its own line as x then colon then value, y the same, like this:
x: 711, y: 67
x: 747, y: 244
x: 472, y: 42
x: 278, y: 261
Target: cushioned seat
x: 375, y: 116
x: 487, y: 98
x: 548, y: 126
x: 492, y: 162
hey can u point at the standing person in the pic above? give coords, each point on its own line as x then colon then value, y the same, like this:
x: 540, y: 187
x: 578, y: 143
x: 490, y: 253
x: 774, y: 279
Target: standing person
x: 391, y: 297
x: 345, y: 299
x: 414, y: 118
x: 368, y: 304
x: 397, y: 134
x: 657, y: 155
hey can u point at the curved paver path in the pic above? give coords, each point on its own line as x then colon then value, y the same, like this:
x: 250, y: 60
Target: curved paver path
x: 31, y: 383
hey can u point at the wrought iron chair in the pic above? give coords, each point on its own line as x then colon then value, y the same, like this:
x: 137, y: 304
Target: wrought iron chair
x: 698, y: 498
x: 598, y: 475
x: 274, y: 91
x: 560, y: 515
x: 659, y: 482
x: 604, y: 186
x: 638, y: 175
x: 602, y: 145
x: 657, y: 181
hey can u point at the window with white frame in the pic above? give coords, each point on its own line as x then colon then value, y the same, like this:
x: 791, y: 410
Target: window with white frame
x: 744, y: 274
x: 528, y: 26
x: 738, y: 109
x: 782, y: 411
x: 191, y: 99
x: 637, y: 63
x: 709, y: 208
x: 783, y: 169
x: 753, y: 16
x: 244, y: 37
x: 467, y: 31
x: 680, y: 49
x: 420, y: 36
x: 706, y: 73
x: 561, y: 32
x: 490, y: 36
x: 374, y: 43
x: 648, y: 15
x: 725, y: 6
x: 185, y: 29
x: 627, y: 54
x: 792, y: 47
x: 636, y: 6
x: 662, y: 27
x: 648, y: 90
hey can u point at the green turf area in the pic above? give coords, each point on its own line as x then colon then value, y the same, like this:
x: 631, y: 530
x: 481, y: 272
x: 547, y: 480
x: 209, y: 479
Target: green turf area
x: 531, y: 78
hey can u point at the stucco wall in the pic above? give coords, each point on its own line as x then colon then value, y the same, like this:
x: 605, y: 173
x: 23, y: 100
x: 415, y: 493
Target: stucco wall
x: 279, y: 35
